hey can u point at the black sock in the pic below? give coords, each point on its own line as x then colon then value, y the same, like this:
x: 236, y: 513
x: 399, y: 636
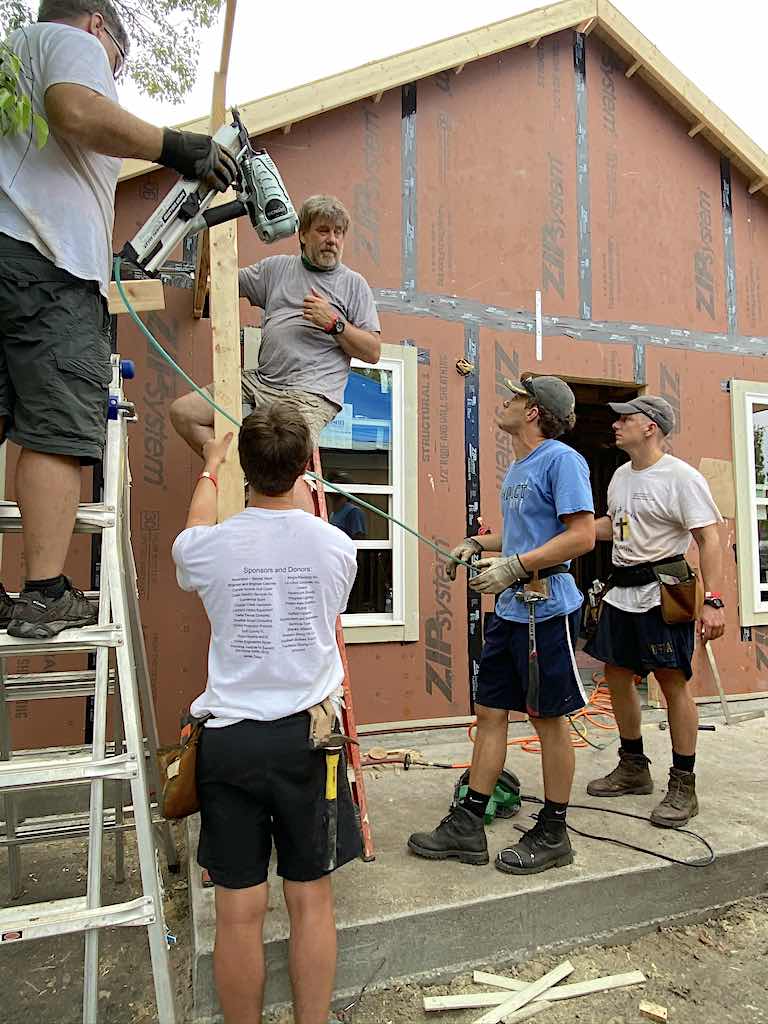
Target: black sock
x: 552, y: 816
x: 475, y: 802
x: 683, y: 762
x: 632, y: 746
x: 53, y: 587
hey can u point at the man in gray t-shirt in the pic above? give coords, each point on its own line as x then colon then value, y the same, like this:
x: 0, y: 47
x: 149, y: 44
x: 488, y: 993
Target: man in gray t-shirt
x: 318, y: 315
x: 57, y: 208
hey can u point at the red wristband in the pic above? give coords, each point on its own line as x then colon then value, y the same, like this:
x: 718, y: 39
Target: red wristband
x: 713, y: 593
x: 331, y: 325
x: 209, y: 476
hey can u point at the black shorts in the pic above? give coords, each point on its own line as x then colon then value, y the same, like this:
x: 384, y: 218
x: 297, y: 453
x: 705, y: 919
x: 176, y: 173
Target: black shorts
x: 260, y: 781
x: 502, y: 678
x: 54, y: 355
x: 641, y: 641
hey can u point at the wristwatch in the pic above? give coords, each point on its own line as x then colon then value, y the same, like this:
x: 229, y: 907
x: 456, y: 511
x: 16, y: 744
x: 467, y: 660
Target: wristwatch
x: 713, y: 599
x: 337, y: 327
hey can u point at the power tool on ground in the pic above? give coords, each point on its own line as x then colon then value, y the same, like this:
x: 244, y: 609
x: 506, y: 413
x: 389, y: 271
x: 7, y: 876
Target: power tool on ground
x: 505, y: 800
x: 187, y: 209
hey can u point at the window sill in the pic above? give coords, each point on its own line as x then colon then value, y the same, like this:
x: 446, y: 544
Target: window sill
x: 385, y: 632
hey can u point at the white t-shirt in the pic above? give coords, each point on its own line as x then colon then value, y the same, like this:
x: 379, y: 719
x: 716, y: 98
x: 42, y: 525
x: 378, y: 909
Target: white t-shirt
x: 61, y: 198
x: 272, y: 583
x: 653, y: 512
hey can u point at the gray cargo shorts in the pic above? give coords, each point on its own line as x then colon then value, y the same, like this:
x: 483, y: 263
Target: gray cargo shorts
x: 54, y: 356
x: 317, y: 411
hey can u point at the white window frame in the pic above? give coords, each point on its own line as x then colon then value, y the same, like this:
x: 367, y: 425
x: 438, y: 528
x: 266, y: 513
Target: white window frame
x: 402, y: 623
x: 745, y: 394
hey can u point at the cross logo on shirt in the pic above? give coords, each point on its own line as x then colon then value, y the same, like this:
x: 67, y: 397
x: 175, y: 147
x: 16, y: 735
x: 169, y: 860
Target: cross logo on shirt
x: 622, y: 525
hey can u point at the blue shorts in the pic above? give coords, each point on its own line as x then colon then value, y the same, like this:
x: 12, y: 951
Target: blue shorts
x: 503, y: 675
x: 641, y: 641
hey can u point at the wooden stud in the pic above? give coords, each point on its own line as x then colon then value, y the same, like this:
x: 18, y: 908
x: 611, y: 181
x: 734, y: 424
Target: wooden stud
x: 633, y: 68
x: 757, y: 185
x: 202, y: 275
x: 652, y: 1011
x: 225, y: 309
x: 518, y: 1000
x: 535, y: 42
x: 694, y: 131
x: 586, y: 26
x: 459, y: 69
x: 287, y: 129
x: 377, y: 97
x: 143, y: 295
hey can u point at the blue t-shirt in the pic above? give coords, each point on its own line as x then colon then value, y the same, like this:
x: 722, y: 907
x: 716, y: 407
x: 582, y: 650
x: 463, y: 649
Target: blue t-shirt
x: 350, y: 519
x: 551, y: 482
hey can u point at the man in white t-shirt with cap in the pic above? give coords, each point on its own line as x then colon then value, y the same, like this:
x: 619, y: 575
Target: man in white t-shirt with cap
x: 656, y: 504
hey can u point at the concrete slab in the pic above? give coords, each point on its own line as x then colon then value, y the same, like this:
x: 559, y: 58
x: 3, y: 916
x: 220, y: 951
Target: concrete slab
x: 404, y: 918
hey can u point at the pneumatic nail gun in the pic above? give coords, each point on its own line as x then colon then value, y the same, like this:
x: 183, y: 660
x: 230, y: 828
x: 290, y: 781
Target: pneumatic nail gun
x: 187, y: 208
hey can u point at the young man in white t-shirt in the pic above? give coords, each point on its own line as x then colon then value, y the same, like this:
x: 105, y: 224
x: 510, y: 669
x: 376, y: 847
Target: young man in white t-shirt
x: 273, y: 580
x: 57, y: 208
x: 656, y: 503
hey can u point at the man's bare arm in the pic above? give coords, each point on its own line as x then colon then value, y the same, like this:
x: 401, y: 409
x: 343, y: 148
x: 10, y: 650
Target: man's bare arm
x: 360, y: 344
x: 95, y: 122
x: 603, y: 528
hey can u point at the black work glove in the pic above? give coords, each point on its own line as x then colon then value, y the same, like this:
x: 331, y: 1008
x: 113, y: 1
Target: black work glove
x: 198, y: 158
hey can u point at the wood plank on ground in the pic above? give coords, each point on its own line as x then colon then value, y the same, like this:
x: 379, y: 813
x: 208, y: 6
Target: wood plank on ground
x: 505, y: 1012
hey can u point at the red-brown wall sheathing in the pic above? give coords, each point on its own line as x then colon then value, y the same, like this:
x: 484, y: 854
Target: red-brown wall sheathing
x: 466, y: 199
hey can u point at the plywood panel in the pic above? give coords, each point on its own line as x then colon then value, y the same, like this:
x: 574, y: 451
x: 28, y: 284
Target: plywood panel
x: 354, y: 154
x: 750, y: 229
x: 496, y: 179
x: 657, y: 235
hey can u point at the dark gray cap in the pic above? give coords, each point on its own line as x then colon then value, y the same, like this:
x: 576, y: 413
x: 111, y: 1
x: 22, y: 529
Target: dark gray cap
x: 657, y: 409
x: 551, y: 393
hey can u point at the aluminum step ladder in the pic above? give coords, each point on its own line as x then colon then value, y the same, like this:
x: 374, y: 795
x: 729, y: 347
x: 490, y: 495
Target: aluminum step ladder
x: 129, y: 762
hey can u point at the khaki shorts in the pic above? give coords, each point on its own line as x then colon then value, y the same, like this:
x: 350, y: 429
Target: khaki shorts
x: 317, y: 411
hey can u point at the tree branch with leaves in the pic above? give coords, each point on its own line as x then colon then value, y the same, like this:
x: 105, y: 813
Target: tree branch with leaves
x: 165, y: 39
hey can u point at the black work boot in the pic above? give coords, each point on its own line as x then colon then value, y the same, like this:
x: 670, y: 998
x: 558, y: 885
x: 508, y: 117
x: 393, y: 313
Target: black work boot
x: 37, y: 617
x: 459, y: 836
x: 7, y: 607
x: 630, y: 777
x: 680, y: 804
x: 544, y: 846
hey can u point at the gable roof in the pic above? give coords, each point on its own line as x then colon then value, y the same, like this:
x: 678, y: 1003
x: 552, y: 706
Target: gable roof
x: 590, y: 16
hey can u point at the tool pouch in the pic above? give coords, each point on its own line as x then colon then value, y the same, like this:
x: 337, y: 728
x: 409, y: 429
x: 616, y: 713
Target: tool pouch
x: 178, y: 772
x: 592, y: 609
x: 682, y: 592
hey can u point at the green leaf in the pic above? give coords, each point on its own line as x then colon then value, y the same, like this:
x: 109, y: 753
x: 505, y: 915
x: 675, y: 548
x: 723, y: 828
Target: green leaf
x: 5, y: 97
x: 25, y: 113
x: 41, y: 130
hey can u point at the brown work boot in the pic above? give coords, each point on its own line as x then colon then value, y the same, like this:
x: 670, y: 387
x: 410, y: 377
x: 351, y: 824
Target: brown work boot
x: 630, y: 777
x: 680, y: 803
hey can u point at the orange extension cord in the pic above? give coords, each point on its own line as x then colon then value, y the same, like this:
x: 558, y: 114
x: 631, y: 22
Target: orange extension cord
x: 598, y: 713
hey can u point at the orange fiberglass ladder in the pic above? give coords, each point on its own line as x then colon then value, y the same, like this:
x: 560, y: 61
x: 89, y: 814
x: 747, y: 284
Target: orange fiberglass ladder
x: 348, y: 715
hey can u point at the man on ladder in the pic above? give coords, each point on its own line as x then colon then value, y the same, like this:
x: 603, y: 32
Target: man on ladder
x: 56, y: 218
x: 273, y: 581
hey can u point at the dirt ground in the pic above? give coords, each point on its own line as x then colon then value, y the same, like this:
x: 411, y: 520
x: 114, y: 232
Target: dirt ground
x: 710, y: 973
x: 704, y: 974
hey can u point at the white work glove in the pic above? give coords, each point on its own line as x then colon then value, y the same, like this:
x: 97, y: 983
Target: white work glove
x: 497, y: 574
x: 468, y: 547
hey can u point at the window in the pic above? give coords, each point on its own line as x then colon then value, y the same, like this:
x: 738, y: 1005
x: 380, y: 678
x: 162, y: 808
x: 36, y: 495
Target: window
x: 749, y: 411
x: 370, y: 451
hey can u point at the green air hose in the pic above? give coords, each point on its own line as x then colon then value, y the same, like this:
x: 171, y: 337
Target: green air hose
x: 314, y: 476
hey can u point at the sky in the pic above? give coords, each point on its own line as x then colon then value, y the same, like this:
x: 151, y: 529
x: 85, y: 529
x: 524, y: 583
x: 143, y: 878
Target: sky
x: 720, y: 47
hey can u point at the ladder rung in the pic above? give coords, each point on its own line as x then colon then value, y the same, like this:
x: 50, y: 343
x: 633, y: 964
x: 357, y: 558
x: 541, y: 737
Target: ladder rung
x: 84, y: 639
x: 70, y: 826
x: 91, y: 518
x: 46, y: 772
x: 61, y: 917
x: 44, y: 685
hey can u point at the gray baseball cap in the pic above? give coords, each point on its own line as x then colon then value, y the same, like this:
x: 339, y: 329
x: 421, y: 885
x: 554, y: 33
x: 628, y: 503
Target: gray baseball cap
x: 657, y: 409
x: 551, y: 393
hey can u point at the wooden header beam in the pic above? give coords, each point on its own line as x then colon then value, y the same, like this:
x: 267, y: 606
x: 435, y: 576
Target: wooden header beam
x: 142, y: 295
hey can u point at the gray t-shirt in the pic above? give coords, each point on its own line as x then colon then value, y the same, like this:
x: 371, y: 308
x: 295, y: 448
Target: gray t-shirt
x: 61, y: 198
x: 294, y: 353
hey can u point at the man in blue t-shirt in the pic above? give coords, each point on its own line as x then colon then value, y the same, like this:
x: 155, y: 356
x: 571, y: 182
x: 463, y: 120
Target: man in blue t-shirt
x: 546, y: 503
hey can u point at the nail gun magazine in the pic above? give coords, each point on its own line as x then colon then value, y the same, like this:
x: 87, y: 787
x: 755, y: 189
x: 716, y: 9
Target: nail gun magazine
x: 187, y: 208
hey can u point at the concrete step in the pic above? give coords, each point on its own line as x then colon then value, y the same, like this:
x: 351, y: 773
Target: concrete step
x: 404, y: 918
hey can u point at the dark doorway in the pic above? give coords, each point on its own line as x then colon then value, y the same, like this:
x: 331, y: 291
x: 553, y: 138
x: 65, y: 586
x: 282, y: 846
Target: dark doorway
x: 593, y: 438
